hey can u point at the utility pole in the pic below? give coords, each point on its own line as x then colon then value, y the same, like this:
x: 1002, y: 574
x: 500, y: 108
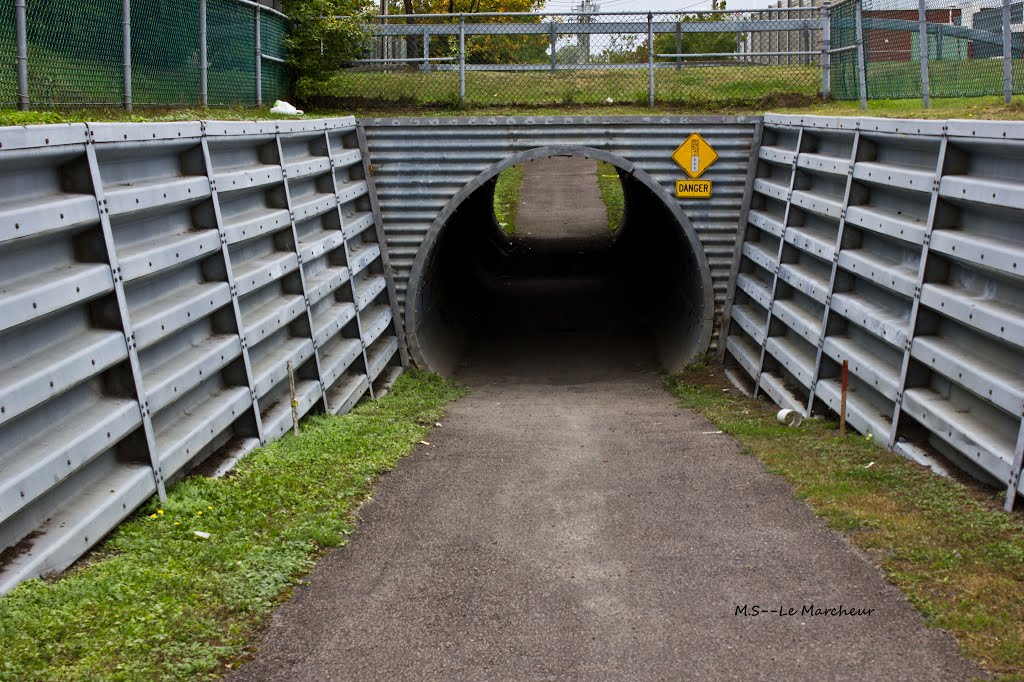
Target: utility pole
x: 585, y: 8
x: 384, y: 39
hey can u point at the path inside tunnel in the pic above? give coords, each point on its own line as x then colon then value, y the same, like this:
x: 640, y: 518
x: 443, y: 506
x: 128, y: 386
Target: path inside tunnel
x: 568, y: 521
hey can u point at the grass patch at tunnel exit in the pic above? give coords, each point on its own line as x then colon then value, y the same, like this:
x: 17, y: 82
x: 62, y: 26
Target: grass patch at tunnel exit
x: 946, y: 544
x: 157, y: 602
x: 611, y: 194
x: 507, y: 191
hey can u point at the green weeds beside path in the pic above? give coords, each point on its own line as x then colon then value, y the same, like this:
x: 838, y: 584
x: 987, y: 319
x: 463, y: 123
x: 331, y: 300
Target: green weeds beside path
x: 507, y: 191
x: 158, y: 602
x: 946, y: 544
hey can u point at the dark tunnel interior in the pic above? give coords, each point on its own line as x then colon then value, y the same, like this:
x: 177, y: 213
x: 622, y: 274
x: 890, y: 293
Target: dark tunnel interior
x: 638, y: 293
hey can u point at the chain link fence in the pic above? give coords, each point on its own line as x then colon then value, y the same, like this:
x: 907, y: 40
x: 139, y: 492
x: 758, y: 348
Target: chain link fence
x: 898, y: 49
x: 711, y: 56
x: 64, y: 53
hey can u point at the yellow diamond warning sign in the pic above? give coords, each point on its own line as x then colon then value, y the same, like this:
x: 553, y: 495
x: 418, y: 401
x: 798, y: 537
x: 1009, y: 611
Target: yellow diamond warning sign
x: 693, y: 189
x: 695, y: 156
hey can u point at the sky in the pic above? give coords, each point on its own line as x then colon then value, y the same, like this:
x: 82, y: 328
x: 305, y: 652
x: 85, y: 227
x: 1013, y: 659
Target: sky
x: 653, y: 5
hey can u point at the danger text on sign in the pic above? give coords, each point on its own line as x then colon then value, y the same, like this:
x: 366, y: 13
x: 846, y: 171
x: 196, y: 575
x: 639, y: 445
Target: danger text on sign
x: 693, y: 189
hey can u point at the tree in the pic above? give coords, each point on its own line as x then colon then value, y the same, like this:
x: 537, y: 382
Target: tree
x: 326, y: 34
x: 485, y: 49
x: 570, y: 54
x: 696, y: 43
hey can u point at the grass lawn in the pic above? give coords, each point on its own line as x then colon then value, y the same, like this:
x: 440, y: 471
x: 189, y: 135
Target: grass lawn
x: 13, y: 117
x: 611, y: 194
x: 157, y: 602
x: 691, y: 86
x: 959, y: 107
x: 506, y: 198
x: 946, y: 544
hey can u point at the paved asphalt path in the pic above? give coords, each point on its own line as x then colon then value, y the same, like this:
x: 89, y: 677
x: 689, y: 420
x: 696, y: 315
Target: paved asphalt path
x: 560, y: 198
x: 570, y: 522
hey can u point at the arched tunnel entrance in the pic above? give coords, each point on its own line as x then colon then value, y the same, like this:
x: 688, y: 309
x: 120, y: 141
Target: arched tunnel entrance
x: 647, y: 286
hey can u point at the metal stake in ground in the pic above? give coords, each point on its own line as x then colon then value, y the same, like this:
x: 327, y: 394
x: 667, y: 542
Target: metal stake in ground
x: 842, y: 400
x: 294, y: 399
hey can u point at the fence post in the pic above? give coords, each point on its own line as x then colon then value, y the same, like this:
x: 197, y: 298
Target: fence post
x: 126, y: 40
x: 862, y: 81
x: 650, y: 60
x: 21, y: 29
x: 1007, y: 54
x: 679, y: 44
x: 462, y: 59
x: 203, y: 92
x: 259, y: 58
x: 426, y: 51
x: 826, y: 52
x: 922, y: 31
x: 553, y: 39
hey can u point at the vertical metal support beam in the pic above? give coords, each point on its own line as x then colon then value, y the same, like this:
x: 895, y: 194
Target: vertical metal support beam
x: 257, y: 34
x: 385, y: 257
x: 1015, y: 470
x: 426, y: 51
x: 236, y: 308
x: 462, y: 60
x: 126, y: 324
x: 938, y: 42
x: 302, y: 270
x: 741, y: 228
x: 126, y: 40
x: 922, y: 31
x: 837, y: 247
x: 778, y: 260
x: 826, y: 52
x: 862, y: 81
x: 650, y: 60
x: 351, y: 282
x: 203, y: 66
x: 915, y: 306
x: 21, y: 32
x: 679, y: 44
x: 553, y: 40
x: 1007, y: 54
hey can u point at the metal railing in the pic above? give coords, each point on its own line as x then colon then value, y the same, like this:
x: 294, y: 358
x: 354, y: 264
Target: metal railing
x: 590, y: 58
x: 229, y: 52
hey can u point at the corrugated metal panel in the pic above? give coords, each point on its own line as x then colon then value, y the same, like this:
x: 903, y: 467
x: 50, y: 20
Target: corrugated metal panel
x: 155, y: 280
x: 421, y: 163
x: 894, y: 245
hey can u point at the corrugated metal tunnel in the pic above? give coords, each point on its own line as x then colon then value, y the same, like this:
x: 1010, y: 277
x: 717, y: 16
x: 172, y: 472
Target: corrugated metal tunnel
x: 649, y: 283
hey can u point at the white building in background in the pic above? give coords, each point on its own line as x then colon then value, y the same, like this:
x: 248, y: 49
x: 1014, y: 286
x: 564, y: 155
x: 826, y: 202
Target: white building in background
x: 804, y: 40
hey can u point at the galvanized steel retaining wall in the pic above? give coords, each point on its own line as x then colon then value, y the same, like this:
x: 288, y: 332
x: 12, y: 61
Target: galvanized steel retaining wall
x: 420, y: 164
x: 896, y: 245
x: 155, y: 280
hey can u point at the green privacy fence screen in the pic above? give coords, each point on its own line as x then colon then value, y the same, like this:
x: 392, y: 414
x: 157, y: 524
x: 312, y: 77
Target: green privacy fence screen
x: 74, y: 53
x: 927, y: 48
